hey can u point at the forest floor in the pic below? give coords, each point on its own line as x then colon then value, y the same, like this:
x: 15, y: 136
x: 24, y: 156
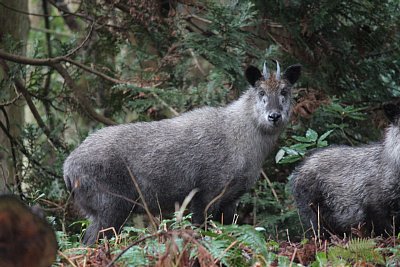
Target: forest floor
x: 230, y: 246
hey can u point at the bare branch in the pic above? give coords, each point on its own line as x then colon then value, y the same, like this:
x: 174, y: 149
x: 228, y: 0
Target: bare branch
x: 17, y: 179
x: 21, y: 89
x: 55, y: 63
x: 12, y: 101
x: 65, y: 11
x: 83, y: 101
x: 69, y: 35
x: 27, y: 13
x: 52, y: 61
x: 68, y: 16
x: 95, y: 72
x: 25, y: 151
x: 47, y: 82
x: 73, y: 51
x: 46, y: 61
x: 271, y: 186
x: 171, y: 109
x: 30, y: 61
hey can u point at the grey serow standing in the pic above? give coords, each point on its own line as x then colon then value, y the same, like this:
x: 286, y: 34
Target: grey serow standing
x: 207, y: 149
x: 352, y: 186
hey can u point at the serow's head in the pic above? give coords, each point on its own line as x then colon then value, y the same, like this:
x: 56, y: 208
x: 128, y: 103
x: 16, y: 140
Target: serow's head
x: 272, y: 94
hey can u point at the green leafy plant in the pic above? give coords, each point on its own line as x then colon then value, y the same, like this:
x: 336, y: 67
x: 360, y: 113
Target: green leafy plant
x: 178, y: 242
x: 344, y: 112
x: 295, y: 152
x: 226, y: 44
x: 349, y: 122
x: 355, y: 251
x: 235, y: 245
x: 320, y: 260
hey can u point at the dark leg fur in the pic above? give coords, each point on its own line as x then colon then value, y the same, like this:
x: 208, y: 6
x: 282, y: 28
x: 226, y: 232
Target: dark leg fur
x: 91, y: 233
x: 112, y: 212
x: 226, y: 213
x: 197, y: 207
x: 221, y: 212
x: 199, y: 203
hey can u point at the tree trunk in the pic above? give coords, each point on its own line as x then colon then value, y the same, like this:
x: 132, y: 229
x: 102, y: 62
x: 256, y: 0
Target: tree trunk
x: 13, y: 24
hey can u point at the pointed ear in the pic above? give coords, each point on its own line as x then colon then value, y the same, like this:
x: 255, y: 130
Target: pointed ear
x: 292, y: 73
x: 252, y: 75
x: 392, y: 111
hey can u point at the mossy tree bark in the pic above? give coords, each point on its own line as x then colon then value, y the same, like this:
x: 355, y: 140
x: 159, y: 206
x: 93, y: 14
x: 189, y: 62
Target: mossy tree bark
x: 14, y: 25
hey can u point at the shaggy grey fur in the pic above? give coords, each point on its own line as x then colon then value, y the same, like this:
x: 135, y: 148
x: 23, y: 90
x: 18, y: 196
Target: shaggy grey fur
x: 352, y: 186
x: 207, y: 149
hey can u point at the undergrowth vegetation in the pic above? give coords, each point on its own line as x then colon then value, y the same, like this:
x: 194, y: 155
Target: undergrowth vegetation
x: 178, y: 243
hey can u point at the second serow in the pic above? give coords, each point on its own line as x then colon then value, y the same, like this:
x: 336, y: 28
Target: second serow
x: 340, y: 188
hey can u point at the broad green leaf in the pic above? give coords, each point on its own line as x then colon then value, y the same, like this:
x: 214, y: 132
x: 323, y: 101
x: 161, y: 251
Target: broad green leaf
x: 301, y: 139
x: 290, y: 151
x: 301, y: 147
x: 311, y: 135
x: 322, y: 144
x: 325, y: 135
x: 290, y: 159
x: 321, y: 260
x: 279, y: 155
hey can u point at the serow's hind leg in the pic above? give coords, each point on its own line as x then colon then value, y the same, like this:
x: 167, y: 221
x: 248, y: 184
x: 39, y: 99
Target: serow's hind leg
x: 110, y: 217
x: 91, y: 233
x: 225, y: 213
x: 197, y: 208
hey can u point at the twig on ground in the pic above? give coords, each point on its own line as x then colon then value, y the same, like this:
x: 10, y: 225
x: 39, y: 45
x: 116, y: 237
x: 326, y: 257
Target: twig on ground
x: 66, y: 258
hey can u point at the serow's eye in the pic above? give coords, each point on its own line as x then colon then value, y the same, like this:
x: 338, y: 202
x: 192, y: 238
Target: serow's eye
x: 261, y: 93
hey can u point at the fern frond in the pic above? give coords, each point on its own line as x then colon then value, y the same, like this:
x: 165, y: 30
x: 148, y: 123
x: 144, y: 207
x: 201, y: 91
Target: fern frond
x: 357, y: 250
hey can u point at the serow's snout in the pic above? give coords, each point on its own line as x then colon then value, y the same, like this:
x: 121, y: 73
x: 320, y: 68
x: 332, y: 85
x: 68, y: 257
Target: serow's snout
x: 274, y: 117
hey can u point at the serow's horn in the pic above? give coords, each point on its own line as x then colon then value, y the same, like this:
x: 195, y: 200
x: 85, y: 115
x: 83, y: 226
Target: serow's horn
x: 265, y: 72
x: 278, y: 71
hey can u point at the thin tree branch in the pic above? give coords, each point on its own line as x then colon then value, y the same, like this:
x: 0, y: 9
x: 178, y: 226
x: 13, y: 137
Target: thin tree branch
x: 122, y: 7
x: 47, y: 82
x: 52, y: 61
x: 68, y: 16
x: 271, y: 186
x: 68, y: 35
x: 64, y: 9
x: 95, y: 72
x: 21, y: 89
x: 56, y: 63
x: 12, y: 101
x: 176, y: 113
x: 17, y: 179
x: 25, y: 151
x: 30, y: 61
x: 88, y: 35
x: 47, y: 26
x: 46, y: 61
x: 83, y: 101
x: 27, y: 13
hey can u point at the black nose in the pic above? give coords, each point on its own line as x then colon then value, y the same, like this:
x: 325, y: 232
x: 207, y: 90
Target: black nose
x: 274, y: 116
